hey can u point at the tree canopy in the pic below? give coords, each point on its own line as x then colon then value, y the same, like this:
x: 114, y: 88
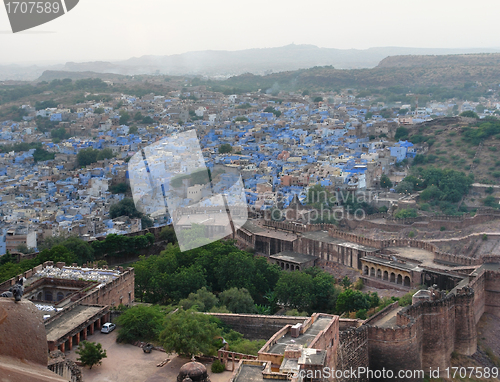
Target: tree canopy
x: 90, y: 353
x: 187, y: 332
x: 140, y: 323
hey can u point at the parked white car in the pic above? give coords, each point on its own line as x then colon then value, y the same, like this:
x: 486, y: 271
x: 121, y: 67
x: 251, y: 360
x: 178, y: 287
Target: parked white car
x: 108, y: 327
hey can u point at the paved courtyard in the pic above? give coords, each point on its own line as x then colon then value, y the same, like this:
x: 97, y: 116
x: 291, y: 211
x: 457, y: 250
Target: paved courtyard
x: 128, y: 363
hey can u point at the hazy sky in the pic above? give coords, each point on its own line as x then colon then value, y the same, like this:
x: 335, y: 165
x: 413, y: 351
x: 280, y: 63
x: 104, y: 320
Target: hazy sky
x: 120, y: 29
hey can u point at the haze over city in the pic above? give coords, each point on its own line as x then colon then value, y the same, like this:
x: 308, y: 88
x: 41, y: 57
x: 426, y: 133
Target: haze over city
x: 114, y: 29
x: 225, y: 191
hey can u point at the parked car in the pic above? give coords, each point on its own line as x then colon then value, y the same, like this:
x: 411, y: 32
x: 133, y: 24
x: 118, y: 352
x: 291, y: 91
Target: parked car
x: 108, y: 327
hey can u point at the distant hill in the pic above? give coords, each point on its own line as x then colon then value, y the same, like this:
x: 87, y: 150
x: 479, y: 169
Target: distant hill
x: 227, y: 63
x: 398, y: 71
x: 411, y: 61
x: 50, y: 75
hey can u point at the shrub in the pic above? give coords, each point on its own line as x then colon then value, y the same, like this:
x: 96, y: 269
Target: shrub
x: 218, y: 366
x: 406, y: 213
x: 425, y: 207
x: 443, y: 228
x: 411, y: 234
x: 361, y: 314
x: 358, y: 285
x: 485, y: 237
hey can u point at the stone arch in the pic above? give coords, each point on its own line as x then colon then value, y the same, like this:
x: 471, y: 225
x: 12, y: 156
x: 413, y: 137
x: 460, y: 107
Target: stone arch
x: 365, y: 270
x: 400, y: 279
x: 287, y: 266
x: 393, y: 277
x: 407, y: 281
x: 292, y: 267
x: 372, y: 271
x: 39, y: 296
x: 48, y: 295
x: 379, y: 273
x: 386, y: 275
x: 60, y: 296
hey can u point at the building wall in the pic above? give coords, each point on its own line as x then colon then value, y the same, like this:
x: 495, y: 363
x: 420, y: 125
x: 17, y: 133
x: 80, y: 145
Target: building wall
x: 254, y: 326
x: 352, y: 352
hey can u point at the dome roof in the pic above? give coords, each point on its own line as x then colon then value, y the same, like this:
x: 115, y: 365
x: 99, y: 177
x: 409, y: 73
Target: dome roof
x: 193, y: 371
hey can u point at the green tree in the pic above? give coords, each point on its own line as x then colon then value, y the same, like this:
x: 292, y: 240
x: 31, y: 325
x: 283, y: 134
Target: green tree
x: 59, y: 134
x: 469, y: 114
x: 237, y: 300
x: 41, y: 155
x: 124, y: 207
x: 325, y: 293
x: 90, y: 353
x: 124, y: 117
x: 404, y: 187
x: 385, y: 182
x: 133, y: 130
x: 241, y: 119
x: 225, y: 148
x: 81, y: 249
x: 138, y: 116
x: 386, y: 113
x: 120, y: 188
x: 189, y: 333
x: 346, y: 282
x: 140, y: 323
x: 401, y: 134
x: 295, y: 289
x: 23, y: 248
x: 7, y: 258
x: 147, y: 120
x: 490, y: 201
x: 167, y: 233
x: 104, y: 154
x: 406, y: 213
x: 86, y: 156
x: 99, y: 110
x: 351, y: 301
x: 203, y: 300
x: 318, y: 99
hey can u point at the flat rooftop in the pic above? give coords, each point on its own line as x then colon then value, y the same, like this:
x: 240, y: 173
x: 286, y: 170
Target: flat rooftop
x: 251, y: 227
x: 293, y: 257
x: 391, y: 263
x: 304, y: 339
x: 68, y: 321
x: 324, y: 237
x: 425, y: 257
x: 251, y: 373
x: 388, y: 321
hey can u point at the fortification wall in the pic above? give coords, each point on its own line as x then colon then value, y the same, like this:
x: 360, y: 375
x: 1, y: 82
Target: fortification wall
x: 492, y: 293
x: 437, y: 323
x: 450, y: 222
x: 465, y: 325
x: 119, y: 291
x: 257, y: 327
x: 478, y: 283
x: 352, y: 352
x: 395, y: 349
